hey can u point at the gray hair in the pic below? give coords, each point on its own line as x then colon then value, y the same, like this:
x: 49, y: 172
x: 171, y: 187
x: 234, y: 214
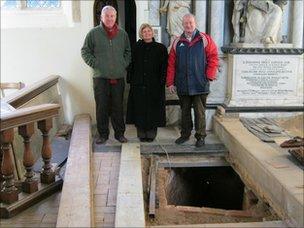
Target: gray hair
x: 107, y: 8
x: 189, y: 15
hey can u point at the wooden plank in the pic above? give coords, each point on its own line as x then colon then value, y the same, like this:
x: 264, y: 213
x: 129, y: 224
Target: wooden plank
x: 265, y: 224
x: 200, y: 162
x: 130, y: 202
x: 183, y: 149
x: 76, y: 204
x: 152, y: 190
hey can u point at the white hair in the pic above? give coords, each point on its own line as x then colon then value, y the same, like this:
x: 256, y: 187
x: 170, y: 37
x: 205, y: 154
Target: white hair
x: 189, y: 15
x: 107, y: 8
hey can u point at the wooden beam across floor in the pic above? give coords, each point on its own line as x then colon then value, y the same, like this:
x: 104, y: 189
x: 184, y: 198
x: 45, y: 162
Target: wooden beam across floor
x: 76, y: 204
x: 130, y: 202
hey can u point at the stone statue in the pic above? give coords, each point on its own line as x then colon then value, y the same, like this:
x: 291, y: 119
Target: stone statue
x: 239, y: 20
x: 257, y: 21
x: 175, y: 9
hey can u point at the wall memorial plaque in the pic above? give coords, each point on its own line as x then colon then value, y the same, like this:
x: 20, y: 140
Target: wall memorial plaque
x: 262, y: 80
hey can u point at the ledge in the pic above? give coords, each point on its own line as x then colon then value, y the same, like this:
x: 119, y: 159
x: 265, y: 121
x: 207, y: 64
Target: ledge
x: 268, y: 171
x: 263, y: 51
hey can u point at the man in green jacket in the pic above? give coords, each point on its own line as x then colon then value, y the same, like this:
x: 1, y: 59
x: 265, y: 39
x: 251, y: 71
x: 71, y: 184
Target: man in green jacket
x: 107, y: 50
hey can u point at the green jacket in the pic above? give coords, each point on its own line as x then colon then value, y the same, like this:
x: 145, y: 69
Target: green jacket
x: 108, y: 58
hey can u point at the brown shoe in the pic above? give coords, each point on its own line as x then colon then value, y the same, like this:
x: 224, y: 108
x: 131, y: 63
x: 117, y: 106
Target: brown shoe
x: 101, y: 140
x: 122, y: 139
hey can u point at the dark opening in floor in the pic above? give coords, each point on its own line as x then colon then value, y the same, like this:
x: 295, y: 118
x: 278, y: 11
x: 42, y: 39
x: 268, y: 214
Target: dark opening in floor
x: 215, y: 187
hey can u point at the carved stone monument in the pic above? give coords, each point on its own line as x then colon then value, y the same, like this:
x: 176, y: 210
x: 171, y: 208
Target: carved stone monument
x: 258, y: 22
x: 175, y: 9
x: 262, y: 71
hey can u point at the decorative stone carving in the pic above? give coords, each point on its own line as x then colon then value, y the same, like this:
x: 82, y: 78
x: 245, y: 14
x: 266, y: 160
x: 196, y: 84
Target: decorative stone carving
x: 257, y: 21
x: 175, y: 9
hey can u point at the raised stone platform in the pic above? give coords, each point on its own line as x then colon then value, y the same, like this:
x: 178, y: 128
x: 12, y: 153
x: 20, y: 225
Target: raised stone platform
x: 241, y: 224
x: 270, y: 172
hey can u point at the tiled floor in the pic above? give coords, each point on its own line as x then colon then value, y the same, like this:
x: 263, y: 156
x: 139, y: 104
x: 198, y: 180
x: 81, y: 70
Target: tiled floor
x: 106, y: 170
x: 42, y: 214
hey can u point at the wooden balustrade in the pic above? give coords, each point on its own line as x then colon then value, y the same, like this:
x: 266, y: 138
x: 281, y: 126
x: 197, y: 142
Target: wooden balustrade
x: 29, y: 92
x: 9, y: 193
x: 47, y: 175
x: 25, y: 119
x: 30, y: 184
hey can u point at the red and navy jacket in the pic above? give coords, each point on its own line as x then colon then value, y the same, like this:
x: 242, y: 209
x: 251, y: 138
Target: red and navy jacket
x: 192, y: 64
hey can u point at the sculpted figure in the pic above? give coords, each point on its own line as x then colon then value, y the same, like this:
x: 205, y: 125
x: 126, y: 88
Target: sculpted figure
x: 257, y: 21
x: 175, y: 9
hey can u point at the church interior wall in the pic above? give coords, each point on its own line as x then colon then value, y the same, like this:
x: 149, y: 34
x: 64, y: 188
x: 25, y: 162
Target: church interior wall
x: 30, y: 54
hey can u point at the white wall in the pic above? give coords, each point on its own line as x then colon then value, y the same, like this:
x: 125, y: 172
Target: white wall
x: 30, y: 54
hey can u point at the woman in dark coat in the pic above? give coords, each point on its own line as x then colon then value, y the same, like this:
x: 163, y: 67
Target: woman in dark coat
x: 147, y: 76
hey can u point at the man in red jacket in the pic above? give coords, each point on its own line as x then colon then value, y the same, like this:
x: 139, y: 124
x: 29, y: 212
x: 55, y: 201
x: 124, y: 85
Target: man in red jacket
x: 192, y: 64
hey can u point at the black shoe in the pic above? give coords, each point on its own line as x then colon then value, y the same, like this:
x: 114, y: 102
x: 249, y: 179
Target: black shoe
x: 149, y: 140
x: 121, y: 139
x: 142, y: 139
x: 200, y: 142
x: 181, y: 140
x: 101, y: 140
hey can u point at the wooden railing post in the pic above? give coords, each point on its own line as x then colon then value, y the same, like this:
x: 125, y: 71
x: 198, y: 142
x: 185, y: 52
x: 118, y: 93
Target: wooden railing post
x: 47, y: 175
x: 1, y: 176
x: 30, y: 184
x: 9, y: 192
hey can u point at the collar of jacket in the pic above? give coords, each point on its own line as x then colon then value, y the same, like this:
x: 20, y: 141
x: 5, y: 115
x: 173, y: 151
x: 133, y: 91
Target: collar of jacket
x: 143, y: 42
x: 196, y: 38
x: 104, y: 30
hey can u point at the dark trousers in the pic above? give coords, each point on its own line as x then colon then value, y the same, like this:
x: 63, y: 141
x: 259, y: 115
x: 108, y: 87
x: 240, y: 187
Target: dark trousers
x: 199, y: 105
x: 109, y: 102
x: 146, y: 134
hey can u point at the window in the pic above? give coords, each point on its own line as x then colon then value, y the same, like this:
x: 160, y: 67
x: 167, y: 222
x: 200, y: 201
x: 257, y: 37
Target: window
x: 39, y: 13
x: 9, y: 4
x: 43, y: 4
x: 30, y: 4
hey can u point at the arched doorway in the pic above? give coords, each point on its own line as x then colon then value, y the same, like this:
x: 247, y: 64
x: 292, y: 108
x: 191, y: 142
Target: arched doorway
x: 98, y: 5
x: 126, y: 9
x: 130, y: 20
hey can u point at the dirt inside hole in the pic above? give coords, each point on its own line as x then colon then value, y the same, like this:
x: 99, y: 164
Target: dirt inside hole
x: 174, y: 209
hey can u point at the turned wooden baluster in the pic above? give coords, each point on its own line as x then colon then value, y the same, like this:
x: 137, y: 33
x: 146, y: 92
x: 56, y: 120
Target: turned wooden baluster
x: 30, y: 183
x: 1, y: 176
x: 9, y: 192
x: 47, y: 176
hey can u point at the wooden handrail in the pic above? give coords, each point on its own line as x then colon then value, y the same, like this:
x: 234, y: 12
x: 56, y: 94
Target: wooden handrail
x: 28, y: 115
x: 24, y: 95
x: 25, y: 119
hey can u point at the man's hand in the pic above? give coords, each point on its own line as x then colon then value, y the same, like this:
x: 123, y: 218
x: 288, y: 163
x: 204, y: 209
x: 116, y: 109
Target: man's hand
x: 172, y: 89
